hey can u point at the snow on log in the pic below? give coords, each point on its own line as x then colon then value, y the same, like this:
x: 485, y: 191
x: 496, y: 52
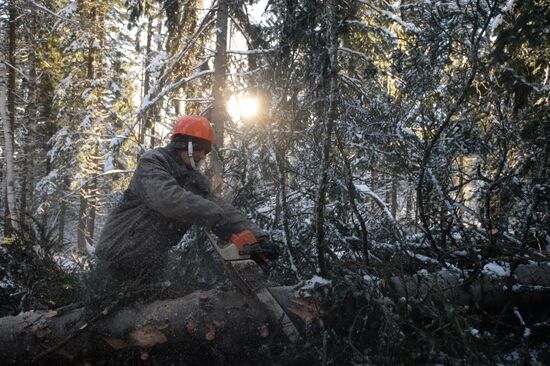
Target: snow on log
x: 528, y: 284
x: 224, y: 322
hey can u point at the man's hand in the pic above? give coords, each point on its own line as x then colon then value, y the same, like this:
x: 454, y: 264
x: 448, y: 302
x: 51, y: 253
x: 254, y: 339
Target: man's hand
x: 267, y: 249
x: 261, y: 250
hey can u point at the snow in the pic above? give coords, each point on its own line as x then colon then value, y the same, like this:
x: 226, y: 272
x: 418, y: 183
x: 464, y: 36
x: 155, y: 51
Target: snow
x: 69, y: 9
x: 251, y: 52
x: 109, y: 164
x: 263, y: 209
x: 362, y: 188
x: 512, y: 356
x: 396, y: 18
x: 422, y: 258
x: 315, y: 282
x: 524, y: 288
x: 116, y: 141
x: 495, y: 269
x: 86, y: 122
x: 46, y: 185
x: 460, y: 253
x: 370, y: 279
x: 157, y: 62
x: 507, y: 8
x: 526, y: 331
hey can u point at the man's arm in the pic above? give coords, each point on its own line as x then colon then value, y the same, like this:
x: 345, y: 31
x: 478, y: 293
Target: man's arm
x: 160, y: 191
x: 235, y: 222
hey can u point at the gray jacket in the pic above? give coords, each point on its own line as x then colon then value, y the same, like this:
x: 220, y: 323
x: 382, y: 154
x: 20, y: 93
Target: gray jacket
x: 163, y: 200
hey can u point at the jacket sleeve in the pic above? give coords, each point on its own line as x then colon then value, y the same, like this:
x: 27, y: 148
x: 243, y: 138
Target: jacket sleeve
x: 234, y: 220
x: 160, y: 191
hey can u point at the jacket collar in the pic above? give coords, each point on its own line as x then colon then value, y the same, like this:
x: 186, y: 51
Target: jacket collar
x: 172, y: 152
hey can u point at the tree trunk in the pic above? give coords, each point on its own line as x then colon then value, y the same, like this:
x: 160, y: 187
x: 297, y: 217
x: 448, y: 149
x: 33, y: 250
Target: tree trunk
x: 529, y: 285
x: 30, y: 147
x: 9, y: 149
x: 61, y: 220
x: 90, y: 219
x: 146, y: 119
x: 82, y: 222
x: 219, y: 114
x: 394, y: 187
x: 200, y: 326
x: 320, y: 199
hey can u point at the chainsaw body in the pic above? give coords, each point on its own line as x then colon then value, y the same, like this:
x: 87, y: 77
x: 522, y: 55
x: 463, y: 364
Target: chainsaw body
x: 251, y: 280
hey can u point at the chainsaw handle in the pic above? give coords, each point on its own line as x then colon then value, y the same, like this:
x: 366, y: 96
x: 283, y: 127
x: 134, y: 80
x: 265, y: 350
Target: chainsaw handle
x: 244, y: 241
x: 247, y: 244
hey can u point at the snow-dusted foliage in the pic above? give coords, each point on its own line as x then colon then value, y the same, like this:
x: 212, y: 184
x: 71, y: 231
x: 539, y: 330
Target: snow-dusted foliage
x: 390, y: 139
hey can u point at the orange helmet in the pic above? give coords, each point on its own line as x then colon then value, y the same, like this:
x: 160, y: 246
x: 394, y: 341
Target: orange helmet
x: 195, y: 126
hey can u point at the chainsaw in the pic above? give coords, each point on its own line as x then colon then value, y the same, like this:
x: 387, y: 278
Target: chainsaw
x: 250, y: 278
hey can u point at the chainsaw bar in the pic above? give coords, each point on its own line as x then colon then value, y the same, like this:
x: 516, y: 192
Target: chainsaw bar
x: 250, y: 280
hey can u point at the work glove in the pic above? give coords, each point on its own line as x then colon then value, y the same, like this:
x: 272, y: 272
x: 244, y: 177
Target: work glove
x: 265, y: 248
x: 260, y: 250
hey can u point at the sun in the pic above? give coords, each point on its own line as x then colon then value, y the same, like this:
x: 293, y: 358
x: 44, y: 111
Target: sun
x: 243, y: 108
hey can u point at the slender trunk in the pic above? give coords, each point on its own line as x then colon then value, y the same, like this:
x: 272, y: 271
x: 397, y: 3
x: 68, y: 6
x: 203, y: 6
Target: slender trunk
x: 87, y: 211
x: 373, y: 186
x: 219, y: 114
x: 409, y: 206
x: 394, y: 186
x: 10, y: 178
x: 82, y: 222
x: 61, y: 222
x: 30, y: 143
x: 322, y: 183
x: 282, y: 211
x: 146, y: 122
x: 90, y: 219
x: 352, y: 194
x: 8, y: 145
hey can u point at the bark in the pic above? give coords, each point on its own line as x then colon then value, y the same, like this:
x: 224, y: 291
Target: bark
x: 394, y: 187
x: 217, y: 322
x: 352, y: 194
x: 82, y: 221
x: 13, y: 24
x: 30, y: 147
x: 146, y: 119
x: 322, y: 184
x: 529, y: 285
x: 219, y: 114
x: 8, y: 141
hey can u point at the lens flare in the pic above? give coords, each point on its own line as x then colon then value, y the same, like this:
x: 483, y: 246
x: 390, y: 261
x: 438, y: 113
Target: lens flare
x: 243, y: 108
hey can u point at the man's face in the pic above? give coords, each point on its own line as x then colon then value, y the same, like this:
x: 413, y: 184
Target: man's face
x: 198, y: 156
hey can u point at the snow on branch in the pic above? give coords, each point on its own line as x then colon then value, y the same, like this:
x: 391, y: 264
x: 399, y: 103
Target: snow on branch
x: 396, y: 18
x: 380, y: 202
x: 42, y: 7
x: 114, y: 171
x: 251, y: 52
x: 148, y: 102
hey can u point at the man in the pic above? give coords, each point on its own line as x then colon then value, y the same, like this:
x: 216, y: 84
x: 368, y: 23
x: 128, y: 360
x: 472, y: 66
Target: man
x: 166, y: 195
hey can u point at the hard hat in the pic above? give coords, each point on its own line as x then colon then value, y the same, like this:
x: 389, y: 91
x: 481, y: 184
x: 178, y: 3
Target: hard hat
x: 195, y: 126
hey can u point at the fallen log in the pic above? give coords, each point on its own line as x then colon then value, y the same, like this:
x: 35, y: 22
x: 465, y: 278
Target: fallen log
x: 528, y: 285
x: 226, y: 327
x: 201, y: 324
